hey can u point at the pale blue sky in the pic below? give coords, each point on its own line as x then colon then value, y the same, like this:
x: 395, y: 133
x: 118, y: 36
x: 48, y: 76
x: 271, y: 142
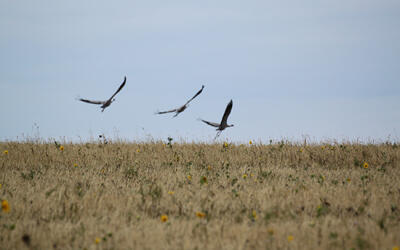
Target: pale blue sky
x: 323, y: 69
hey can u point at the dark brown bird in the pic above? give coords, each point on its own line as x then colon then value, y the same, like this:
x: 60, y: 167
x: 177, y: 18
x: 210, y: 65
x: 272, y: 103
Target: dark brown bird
x: 105, y: 104
x: 183, y: 107
x: 224, y: 122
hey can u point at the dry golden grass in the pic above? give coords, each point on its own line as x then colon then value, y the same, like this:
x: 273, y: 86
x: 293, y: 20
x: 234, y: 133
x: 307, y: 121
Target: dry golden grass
x: 199, y: 196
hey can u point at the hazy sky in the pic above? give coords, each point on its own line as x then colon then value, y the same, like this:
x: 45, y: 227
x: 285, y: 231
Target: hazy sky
x: 322, y: 69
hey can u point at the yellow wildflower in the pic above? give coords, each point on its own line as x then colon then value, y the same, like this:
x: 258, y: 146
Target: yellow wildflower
x: 171, y: 192
x: 322, y: 147
x: 189, y: 177
x: 244, y: 176
x: 62, y: 148
x: 138, y: 150
x: 290, y: 238
x: 5, y: 152
x: 225, y: 144
x: 254, y: 214
x: 164, y: 218
x: 75, y: 165
x: 395, y: 248
x: 97, y: 240
x: 5, y: 206
x: 365, y: 165
x: 200, y: 214
x: 250, y: 142
x: 301, y: 150
x: 209, y: 167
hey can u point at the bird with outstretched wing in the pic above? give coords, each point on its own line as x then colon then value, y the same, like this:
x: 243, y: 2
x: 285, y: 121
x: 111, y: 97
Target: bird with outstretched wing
x: 106, y: 103
x: 224, y: 122
x: 183, y: 107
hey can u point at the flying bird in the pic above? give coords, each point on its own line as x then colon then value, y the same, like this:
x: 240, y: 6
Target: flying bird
x: 105, y: 104
x: 183, y: 107
x: 224, y: 124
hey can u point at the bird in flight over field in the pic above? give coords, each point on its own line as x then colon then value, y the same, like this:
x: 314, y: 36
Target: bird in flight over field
x: 183, y: 107
x: 221, y: 126
x: 105, y: 104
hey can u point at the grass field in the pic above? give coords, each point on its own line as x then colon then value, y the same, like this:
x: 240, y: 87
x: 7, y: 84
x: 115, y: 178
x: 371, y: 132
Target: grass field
x: 159, y: 195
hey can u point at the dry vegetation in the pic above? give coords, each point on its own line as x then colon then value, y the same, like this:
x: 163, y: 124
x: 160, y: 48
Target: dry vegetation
x: 199, y: 196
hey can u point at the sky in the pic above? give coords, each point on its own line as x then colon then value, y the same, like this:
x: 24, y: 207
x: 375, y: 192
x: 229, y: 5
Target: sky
x: 321, y: 70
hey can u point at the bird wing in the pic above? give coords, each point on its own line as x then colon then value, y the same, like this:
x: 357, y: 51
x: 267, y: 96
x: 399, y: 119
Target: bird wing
x: 214, y: 124
x: 227, y: 113
x: 90, y: 101
x: 119, y: 89
x: 164, y: 112
x: 198, y: 93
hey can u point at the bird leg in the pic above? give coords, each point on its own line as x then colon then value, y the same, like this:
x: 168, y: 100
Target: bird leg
x: 218, y: 133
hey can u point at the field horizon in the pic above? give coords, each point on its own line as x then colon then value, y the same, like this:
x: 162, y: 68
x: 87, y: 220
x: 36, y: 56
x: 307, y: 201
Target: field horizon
x: 110, y: 194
